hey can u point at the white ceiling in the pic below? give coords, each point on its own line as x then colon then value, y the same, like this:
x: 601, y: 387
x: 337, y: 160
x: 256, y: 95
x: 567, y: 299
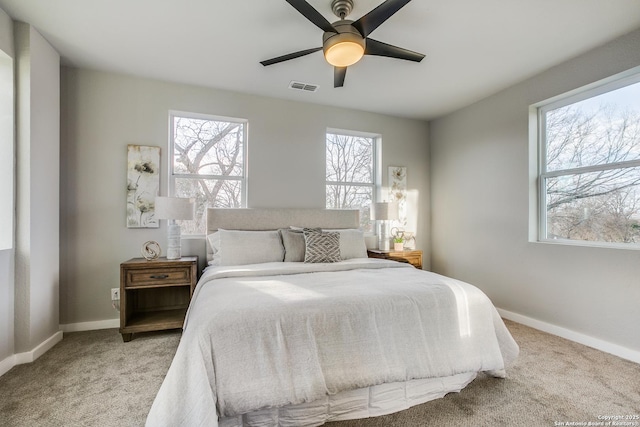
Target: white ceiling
x: 473, y: 48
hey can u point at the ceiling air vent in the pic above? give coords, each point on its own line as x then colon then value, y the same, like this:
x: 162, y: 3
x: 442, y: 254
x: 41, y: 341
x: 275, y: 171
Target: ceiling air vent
x: 303, y: 86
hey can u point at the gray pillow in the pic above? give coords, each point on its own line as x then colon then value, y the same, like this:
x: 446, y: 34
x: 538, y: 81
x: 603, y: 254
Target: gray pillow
x: 321, y: 246
x: 293, y: 242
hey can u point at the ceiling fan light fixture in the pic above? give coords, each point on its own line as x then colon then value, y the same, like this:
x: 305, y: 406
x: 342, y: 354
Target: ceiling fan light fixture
x: 345, y: 48
x: 344, y: 54
x: 345, y: 42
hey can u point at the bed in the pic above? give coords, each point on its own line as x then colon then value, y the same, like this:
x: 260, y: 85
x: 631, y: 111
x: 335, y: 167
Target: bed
x: 277, y: 335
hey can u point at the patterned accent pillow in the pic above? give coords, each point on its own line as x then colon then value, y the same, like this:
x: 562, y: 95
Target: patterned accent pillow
x: 321, y: 246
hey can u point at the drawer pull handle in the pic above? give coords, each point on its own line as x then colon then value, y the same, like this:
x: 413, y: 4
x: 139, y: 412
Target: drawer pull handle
x: 159, y: 276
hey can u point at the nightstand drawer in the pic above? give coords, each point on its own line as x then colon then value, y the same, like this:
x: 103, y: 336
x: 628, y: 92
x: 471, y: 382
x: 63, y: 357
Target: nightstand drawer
x: 415, y: 260
x: 155, y: 277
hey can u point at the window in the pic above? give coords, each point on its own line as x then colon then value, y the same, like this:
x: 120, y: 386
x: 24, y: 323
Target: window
x: 351, y: 172
x: 208, y: 163
x: 589, y: 182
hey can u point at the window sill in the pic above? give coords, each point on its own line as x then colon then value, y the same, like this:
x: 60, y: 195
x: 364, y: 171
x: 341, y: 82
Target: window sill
x: 585, y: 244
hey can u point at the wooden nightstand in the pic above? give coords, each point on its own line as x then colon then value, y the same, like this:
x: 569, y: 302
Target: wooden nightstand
x: 155, y: 295
x: 413, y: 257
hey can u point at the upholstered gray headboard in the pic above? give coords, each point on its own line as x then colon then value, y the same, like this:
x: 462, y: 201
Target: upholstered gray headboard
x: 275, y: 218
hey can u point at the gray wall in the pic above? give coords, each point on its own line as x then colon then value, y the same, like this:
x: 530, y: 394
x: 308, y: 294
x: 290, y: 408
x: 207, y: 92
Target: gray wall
x: 7, y: 187
x: 6, y: 33
x: 480, y: 208
x: 6, y: 305
x: 6, y: 255
x: 37, y: 193
x: 103, y: 112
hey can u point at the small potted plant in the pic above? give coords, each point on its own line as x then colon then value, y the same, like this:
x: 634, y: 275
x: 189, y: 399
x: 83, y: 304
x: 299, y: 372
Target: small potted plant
x: 398, y: 243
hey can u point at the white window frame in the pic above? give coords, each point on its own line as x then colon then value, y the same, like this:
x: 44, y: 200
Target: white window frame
x: 172, y: 176
x: 538, y: 137
x: 376, y: 185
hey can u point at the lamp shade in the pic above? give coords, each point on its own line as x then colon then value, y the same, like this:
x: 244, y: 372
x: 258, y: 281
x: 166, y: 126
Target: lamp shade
x: 384, y: 211
x: 174, y: 208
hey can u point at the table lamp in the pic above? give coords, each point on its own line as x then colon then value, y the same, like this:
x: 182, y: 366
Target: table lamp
x: 384, y: 212
x: 172, y: 209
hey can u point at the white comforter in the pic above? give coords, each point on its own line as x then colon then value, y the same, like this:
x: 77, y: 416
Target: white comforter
x: 275, y: 334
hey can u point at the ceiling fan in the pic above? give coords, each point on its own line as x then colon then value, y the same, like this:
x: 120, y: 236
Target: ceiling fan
x: 345, y: 42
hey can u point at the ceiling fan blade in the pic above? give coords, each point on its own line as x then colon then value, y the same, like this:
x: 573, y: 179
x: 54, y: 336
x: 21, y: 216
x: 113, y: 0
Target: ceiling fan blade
x: 312, y: 15
x: 374, y: 47
x: 339, y: 74
x: 289, y: 56
x: 372, y: 20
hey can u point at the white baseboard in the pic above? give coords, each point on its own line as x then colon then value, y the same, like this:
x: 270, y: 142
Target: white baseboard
x: 7, y: 364
x: 598, y: 344
x: 30, y: 356
x: 91, y: 326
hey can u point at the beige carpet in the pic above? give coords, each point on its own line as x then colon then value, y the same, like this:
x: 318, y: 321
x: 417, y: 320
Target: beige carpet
x: 94, y: 379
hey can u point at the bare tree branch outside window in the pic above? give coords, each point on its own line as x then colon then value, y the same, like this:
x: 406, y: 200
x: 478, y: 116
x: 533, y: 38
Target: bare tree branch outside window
x: 208, y: 165
x: 350, y: 174
x: 592, y: 176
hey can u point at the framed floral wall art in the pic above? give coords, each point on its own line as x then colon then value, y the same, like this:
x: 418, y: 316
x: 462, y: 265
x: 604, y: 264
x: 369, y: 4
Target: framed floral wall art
x: 143, y: 184
x: 398, y: 191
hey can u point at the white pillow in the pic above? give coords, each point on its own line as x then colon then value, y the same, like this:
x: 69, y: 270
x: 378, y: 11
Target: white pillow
x: 352, y: 243
x: 237, y: 247
x: 213, y: 246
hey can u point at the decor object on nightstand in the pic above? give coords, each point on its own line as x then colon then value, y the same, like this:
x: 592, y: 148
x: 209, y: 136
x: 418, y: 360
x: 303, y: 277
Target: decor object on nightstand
x: 154, y: 295
x: 398, y: 239
x: 151, y: 250
x: 384, y: 212
x: 398, y: 244
x: 173, y: 208
x: 409, y: 240
x: 143, y: 182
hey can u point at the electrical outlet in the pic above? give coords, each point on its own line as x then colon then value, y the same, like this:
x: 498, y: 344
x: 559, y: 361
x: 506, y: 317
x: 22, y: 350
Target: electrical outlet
x: 115, y: 294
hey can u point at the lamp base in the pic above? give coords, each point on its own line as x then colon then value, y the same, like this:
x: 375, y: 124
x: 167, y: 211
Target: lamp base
x: 173, y: 241
x: 383, y: 236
